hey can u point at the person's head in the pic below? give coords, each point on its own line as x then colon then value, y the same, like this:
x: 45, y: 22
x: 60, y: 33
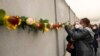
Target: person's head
x: 77, y: 25
x: 85, y: 22
x: 95, y: 26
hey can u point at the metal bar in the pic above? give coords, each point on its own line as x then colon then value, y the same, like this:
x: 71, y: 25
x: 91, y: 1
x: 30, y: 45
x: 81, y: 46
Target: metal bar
x: 56, y: 32
x: 69, y: 16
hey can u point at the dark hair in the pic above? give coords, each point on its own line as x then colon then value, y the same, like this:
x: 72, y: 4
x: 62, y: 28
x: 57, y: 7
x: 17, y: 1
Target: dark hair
x: 96, y: 25
x: 99, y: 25
x: 86, y: 21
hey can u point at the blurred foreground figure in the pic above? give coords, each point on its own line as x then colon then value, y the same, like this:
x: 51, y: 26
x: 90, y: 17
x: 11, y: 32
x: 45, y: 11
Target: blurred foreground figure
x: 82, y: 37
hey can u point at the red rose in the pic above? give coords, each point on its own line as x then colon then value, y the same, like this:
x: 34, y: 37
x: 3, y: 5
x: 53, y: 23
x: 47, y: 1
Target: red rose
x: 13, y: 20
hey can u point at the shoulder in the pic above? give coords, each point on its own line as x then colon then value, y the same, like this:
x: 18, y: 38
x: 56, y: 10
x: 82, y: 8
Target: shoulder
x: 90, y: 31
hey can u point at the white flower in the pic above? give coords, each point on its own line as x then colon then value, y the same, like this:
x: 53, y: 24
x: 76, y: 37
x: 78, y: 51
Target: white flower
x: 30, y: 21
x: 51, y: 25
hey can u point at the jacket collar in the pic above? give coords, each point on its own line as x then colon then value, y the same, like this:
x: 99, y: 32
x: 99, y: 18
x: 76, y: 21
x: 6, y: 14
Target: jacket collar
x: 90, y: 31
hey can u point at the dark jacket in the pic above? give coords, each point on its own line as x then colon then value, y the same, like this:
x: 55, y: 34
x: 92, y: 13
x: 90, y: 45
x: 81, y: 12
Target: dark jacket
x: 68, y: 38
x: 95, y: 42
x: 83, y: 42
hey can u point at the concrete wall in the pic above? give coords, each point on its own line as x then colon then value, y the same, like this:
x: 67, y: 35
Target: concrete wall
x: 72, y: 16
x: 21, y: 42
x: 62, y: 16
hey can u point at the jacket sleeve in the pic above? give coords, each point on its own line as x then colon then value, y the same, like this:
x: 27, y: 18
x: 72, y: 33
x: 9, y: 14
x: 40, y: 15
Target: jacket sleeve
x: 77, y: 35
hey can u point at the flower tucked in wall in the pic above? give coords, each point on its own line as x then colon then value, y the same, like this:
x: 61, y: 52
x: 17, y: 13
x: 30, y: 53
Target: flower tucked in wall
x: 12, y: 21
x: 51, y: 25
x: 46, y: 27
x: 39, y: 26
x: 57, y: 26
x: 44, y: 23
x: 30, y: 21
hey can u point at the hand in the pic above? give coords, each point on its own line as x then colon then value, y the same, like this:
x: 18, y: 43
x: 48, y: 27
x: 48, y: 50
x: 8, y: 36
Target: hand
x: 66, y: 26
x: 72, y: 40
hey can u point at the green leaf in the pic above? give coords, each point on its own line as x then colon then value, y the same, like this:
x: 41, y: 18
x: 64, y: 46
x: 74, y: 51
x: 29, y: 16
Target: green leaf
x: 2, y: 13
x: 46, y: 21
x: 23, y: 22
x: 43, y: 21
x: 1, y: 21
x: 23, y: 18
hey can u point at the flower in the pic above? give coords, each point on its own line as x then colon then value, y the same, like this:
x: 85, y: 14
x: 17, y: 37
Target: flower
x: 46, y: 29
x: 57, y: 26
x: 12, y: 21
x: 60, y: 25
x: 40, y: 26
x: 30, y: 21
x: 51, y: 25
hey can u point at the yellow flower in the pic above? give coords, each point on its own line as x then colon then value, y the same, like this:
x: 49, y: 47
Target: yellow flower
x: 12, y: 22
x: 46, y: 29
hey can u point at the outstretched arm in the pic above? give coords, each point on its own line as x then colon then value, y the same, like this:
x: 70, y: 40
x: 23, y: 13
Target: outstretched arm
x: 77, y: 35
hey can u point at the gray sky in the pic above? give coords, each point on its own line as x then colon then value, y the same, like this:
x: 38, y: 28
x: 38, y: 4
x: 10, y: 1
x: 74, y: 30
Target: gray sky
x: 86, y: 8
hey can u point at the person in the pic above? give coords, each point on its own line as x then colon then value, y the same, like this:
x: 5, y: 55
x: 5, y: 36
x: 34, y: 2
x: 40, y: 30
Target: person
x: 83, y: 38
x: 99, y: 30
x: 70, y: 46
x: 95, y: 42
